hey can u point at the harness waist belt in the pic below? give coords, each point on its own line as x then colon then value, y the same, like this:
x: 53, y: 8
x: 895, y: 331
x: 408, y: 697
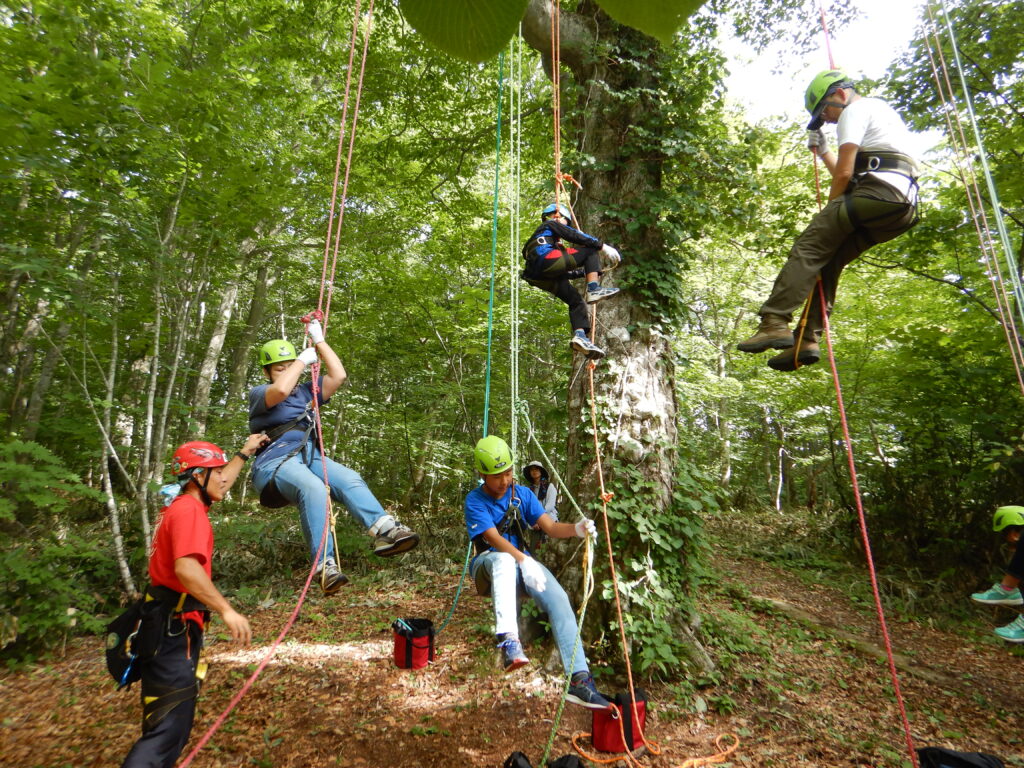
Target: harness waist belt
x: 178, y: 602
x: 885, y: 161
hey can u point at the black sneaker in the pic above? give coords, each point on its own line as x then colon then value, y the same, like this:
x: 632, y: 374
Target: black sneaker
x: 584, y: 693
x: 395, y: 541
x: 330, y: 578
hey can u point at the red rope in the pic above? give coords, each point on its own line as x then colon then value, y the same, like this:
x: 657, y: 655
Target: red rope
x: 315, y: 370
x: 824, y: 27
x: 556, y: 92
x: 864, y: 532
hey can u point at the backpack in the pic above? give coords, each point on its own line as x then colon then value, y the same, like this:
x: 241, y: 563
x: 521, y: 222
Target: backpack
x: 937, y: 757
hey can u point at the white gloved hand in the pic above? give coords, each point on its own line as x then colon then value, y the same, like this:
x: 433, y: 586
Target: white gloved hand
x: 308, y: 356
x: 586, y: 527
x: 817, y: 143
x: 533, y: 575
x: 610, y: 252
x: 316, y: 333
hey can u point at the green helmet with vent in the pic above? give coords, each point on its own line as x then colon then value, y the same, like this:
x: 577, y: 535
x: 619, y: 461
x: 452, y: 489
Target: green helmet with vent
x: 1007, y: 516
x: 276, y: 351
x: 823, y: 84
x: 492, y: 456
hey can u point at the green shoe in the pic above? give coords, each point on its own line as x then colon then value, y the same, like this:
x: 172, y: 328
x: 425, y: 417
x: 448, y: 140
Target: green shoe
x: 998, y: 596
x: 1012, y: 632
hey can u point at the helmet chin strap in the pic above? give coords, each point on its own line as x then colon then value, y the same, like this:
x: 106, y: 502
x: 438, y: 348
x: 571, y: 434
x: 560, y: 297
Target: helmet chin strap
x: 202, y: 488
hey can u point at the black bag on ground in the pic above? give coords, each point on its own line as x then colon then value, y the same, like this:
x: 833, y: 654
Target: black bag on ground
x: 517, y: 760
x: 134, y: 638
x: 566, y: 761
x: 937, y: 757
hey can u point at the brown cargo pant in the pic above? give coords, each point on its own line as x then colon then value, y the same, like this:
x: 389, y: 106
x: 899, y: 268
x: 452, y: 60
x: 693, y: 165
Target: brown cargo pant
x: 871, y: 212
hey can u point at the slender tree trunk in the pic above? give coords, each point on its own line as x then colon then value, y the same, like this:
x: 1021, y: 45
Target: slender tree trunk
x: 208, y: 369
x: 242, y: 356
x: 113, y: 513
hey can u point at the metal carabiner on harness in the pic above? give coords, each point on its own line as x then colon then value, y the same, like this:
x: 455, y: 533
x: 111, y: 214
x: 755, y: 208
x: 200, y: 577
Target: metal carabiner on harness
x: 874, y: 163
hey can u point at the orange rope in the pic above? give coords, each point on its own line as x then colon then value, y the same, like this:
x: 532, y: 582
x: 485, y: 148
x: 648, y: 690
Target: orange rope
x: 556, y: 92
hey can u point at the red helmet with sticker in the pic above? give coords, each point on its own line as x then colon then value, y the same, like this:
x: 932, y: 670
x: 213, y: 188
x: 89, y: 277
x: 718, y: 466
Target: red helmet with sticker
x: 196, y: 454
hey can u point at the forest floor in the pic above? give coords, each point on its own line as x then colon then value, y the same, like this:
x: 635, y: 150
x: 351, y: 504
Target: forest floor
x: 805, y: 686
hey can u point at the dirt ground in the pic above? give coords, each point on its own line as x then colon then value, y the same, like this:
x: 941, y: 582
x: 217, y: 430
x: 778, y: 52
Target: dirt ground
x: 333, y: 696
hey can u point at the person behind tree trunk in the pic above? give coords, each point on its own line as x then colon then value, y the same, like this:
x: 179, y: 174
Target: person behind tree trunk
x: 179, y: 577
x: 1009, y: 520
x: 290, y: 469
x: 498, y: 513
x: 536, y: 477
x: 550, y: 265
x: 872, y: 199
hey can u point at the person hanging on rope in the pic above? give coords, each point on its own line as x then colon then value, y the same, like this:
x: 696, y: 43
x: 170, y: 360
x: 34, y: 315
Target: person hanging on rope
x: 1010, y: 521
x: 179, y: 579
x: 290, y: 468
x: 873, y: 198
x: 498, y: 514
x: 550, y: 265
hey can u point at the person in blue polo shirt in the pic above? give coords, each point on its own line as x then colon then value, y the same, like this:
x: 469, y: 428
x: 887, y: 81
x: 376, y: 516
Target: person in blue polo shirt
x: 498, y: 514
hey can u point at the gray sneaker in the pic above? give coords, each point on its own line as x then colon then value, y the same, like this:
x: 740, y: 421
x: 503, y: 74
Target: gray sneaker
x: 330, y: 578
x: 584, y: 693
x: 395, y: 541
x: 599, y: 293
x: 586, y: 346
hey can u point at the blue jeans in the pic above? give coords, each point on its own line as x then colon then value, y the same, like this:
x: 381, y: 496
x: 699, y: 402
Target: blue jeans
x: 504, y: 573
x: 303, y: 485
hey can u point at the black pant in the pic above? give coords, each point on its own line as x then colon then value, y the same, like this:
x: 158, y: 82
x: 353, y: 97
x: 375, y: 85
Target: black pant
x: 1016, y: 566
x: 170, y: 679
x: 551, y: 274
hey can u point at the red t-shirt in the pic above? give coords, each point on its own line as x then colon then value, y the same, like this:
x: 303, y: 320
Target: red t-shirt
x: 183, y: 530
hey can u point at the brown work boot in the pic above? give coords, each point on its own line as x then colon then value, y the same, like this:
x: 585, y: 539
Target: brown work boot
x: 809, y: 354
x: 772, y: 333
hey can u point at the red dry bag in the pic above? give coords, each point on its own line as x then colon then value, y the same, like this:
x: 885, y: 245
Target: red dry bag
x: 607, y: 730
x: 414, y: 642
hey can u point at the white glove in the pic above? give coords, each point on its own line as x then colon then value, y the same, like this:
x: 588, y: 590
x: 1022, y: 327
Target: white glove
x: 586, y: 527
x: 316, y: 333
x: 533, y: 575
x: 610, y: 252
x: 308, y: 356
x: 817, y: 143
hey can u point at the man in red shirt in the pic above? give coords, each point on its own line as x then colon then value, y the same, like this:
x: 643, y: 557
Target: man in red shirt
x: 179, y: 573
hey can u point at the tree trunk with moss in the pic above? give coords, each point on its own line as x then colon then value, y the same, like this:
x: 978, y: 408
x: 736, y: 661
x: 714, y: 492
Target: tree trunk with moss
x: 616, y: 74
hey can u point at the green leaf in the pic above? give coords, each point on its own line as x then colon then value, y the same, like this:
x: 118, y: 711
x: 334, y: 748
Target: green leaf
x: 467, y: 29
x: 657, y: 18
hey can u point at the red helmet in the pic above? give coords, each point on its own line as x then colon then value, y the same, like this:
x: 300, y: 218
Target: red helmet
x: 195, y: 454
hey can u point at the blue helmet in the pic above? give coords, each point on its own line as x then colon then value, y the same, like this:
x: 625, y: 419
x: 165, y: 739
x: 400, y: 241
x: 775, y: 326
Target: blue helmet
x: 556, y: 208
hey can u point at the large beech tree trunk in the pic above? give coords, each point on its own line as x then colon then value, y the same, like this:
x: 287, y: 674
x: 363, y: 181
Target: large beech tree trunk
x: 634, y: 384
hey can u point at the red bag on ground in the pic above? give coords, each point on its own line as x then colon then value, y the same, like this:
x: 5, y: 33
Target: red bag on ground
x: 607, y: 731
x: 414, y: 642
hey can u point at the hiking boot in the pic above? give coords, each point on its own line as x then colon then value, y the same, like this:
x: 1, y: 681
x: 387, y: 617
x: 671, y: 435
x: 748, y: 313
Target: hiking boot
x: 586, y: 346
x: 601, y: 292
x: 512, y: 654
x: 330, y: 578
x: 395, y: 541
x: 584, y: 692
x: 1012, y: 632
x: 772, y: 333
x: 810, y: 353
x: 998, y: 596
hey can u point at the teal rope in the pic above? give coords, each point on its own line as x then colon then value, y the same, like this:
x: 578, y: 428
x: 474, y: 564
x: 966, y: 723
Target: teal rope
x: 494, y: 241
x: 490, y: 311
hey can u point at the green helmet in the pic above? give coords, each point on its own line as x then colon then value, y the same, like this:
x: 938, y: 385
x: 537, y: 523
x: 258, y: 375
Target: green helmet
x: 1007, y: 516
x: 492, y: 456
x: 821, y: 86
x: 276, y: 351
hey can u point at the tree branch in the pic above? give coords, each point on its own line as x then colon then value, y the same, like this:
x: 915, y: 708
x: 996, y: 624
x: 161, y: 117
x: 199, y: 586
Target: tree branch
x: 577, y: 34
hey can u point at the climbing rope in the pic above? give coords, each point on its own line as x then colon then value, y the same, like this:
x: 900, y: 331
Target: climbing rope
x: 975, y: 202
x: 322, y: 311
